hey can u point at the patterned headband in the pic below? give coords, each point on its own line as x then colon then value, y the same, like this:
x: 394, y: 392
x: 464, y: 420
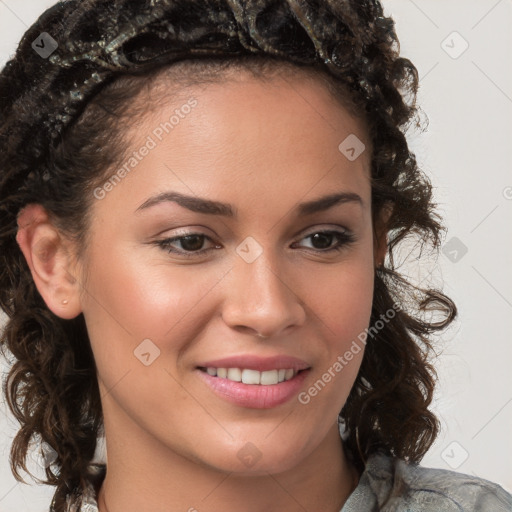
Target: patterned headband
x: 78, y: 46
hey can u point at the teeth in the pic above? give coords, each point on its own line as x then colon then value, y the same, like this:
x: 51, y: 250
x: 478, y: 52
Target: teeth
x: 235, y: 374
x: 247, y: 376
x: 251, y: 376
x: 269, y: 377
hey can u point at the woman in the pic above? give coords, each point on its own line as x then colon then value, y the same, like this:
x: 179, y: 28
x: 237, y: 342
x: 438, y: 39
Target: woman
x: 200, y: 204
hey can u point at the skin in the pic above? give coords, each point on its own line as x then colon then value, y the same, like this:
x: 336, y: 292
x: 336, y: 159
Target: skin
x: 172, y: 443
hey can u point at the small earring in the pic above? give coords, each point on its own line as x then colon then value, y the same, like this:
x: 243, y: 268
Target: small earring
x: 65, y: 301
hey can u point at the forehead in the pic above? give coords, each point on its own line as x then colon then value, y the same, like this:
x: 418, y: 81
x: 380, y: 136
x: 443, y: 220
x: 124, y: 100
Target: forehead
x: 305, y: 87
x: 288, y: 107
x: 242, y: 137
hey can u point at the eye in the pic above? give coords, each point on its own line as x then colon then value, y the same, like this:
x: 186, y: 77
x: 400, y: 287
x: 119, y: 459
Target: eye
x: 191, y: 244
x: 322, y: 241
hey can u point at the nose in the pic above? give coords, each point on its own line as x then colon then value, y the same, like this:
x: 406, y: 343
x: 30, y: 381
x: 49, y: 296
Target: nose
x: 261, y: 300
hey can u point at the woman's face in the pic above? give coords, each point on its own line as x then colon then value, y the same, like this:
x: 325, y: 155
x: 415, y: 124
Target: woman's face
x: 239, y: 168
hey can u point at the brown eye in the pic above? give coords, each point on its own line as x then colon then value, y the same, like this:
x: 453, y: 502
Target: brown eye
x: 187, y: 245
x: 322, y: 240
x: 326, y: 241
x: 192, y: 242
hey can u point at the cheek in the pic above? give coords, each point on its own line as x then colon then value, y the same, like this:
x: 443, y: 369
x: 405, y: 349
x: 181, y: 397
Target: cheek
x: 144, y: 296
x: 126, y: 303
x: 342, y: 299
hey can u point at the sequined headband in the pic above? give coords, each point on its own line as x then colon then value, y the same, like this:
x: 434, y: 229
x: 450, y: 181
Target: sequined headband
x: 78, y: 46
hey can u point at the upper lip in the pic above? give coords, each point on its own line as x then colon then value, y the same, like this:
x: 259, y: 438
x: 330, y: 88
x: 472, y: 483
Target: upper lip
x: 257, y: 363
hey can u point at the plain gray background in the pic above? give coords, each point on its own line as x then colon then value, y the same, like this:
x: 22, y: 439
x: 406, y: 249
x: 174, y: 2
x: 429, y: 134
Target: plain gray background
x: 463, y: 50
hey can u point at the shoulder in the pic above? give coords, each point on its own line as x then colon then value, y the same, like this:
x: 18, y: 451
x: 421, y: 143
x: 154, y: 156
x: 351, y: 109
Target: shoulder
x: 395, y: 485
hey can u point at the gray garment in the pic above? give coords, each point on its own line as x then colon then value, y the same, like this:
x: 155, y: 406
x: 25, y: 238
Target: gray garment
x: 391, y: 485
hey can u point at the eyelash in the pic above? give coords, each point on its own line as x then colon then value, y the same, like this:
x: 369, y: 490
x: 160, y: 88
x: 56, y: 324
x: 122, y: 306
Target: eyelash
x: 345, y: 238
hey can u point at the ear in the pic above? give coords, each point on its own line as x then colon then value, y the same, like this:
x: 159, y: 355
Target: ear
x: 48, y: 255
x: 381, y: 228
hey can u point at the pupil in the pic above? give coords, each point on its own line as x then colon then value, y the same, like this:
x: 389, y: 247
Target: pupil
x: 192, y: 242
x: 324, y: 239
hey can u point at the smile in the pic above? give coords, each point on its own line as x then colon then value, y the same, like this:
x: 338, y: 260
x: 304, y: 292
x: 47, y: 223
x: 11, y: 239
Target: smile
x: 253, y: 377
x: 261, y: 390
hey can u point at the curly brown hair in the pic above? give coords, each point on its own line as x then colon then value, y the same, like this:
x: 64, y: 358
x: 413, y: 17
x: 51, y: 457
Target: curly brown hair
x: 55, y: 117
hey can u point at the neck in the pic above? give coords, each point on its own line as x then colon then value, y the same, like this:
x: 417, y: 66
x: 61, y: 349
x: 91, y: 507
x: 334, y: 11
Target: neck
x: 143, y: 475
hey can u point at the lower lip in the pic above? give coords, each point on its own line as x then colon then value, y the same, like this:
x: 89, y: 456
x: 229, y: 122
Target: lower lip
x: 253, y: 395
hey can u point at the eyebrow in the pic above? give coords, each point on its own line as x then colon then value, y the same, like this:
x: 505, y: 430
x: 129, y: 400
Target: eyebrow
x: 200, y: 205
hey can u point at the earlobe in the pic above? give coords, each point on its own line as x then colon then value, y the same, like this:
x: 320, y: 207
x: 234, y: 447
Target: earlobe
x: 49, y: 259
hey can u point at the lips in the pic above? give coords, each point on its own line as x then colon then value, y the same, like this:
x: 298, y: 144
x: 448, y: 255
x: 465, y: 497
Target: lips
x: 255, y: 382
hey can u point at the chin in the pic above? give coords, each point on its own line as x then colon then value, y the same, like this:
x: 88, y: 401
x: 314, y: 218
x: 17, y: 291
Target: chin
x: 252, y: 459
